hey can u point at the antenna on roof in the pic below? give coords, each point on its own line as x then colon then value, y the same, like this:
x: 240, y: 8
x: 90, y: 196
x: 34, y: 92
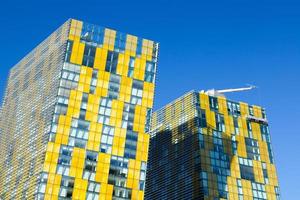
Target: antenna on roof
x: 214, y: 92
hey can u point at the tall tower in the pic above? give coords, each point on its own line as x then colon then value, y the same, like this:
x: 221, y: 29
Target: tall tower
x: 75, y: 116
x: 208, y: 147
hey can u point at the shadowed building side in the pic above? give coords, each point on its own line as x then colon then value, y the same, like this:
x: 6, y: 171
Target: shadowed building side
x: 207, y: 147
x: 27, y: 113
x: 178, y: 166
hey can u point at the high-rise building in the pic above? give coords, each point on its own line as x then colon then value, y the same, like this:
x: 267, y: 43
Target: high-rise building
x: 208, y: 147
x: 75, y: 116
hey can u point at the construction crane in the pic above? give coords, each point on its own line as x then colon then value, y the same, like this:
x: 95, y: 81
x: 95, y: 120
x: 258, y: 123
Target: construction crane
x: 217, y: 93
x: 214, y: 92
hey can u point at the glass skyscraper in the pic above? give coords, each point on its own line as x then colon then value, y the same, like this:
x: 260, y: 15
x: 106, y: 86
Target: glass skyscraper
x: 208, y: 147
x: 75, y: 115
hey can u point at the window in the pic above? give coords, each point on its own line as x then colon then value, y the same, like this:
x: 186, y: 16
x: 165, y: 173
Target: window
x: 104, y: 111
x: 204, y: 182
x: 118, y: 172
x: 252, y: 149
x: 161, y: 116
x: 236, y: 125
x: 64, y: 160
x: 114, y: 86
x: 202, y: 117
x: 107, y: 139
x: 92, y: 33
x: 122, y: 193
x: 150, y: 72
x: 246, y: 168
x: 131, y: 67
x: 89, y: 171
x: 277, y: 192
x: 137, y: 92
x: 148, y: 120
x: 142, y: 175
x: 259, y: 191
x: 68, y: 84
x: 69, y: 50
x: 89, y: 55
x: 251, y: 112
x: 130, y: 144
x: 43, y: 183
x: 120, y: 42
x: 220, y: 123
x: 265, y: 134
x: 83, y: 105
x: 111, y: 62
x: 265, y: 172
x: 234, y: 145
x: 94, y: 81
x: 240, y: 189
x: 79, y: 133
x: 71, y: 76
x: 220, y: 164
x: 233, y: 108
x: 270, y: 152
x: 213, y: 102
x: 60, y: 109
x: 66, y: 187
x: 201, y: 139
x: 93, y: 190
x: 139, y: 46
x: 64, y: 92
x: 72, y: 68
x: 128, y: 116
x: 249, y: 127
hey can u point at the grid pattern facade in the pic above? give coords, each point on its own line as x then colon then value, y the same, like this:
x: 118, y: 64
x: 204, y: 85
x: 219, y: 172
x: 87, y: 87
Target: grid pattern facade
x: 26, y: 117
x: 206, y: 147
x: 95, y: 144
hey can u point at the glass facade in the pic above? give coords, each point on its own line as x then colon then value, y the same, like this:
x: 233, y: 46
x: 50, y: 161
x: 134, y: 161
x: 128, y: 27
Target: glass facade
x: 81, y: 103
x: 207, y: 147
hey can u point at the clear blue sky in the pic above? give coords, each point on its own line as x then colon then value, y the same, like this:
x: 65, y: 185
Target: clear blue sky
x: 203, y: 44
